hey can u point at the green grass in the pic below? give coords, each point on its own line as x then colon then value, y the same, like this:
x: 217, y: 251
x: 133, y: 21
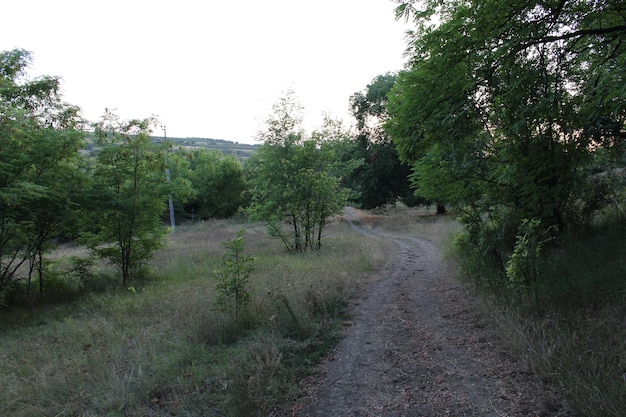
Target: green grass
x: 164, y: 349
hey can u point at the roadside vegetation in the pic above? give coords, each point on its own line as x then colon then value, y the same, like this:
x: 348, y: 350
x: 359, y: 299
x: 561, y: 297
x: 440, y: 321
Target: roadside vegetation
x: 513, y: 116
x: 575, y: 340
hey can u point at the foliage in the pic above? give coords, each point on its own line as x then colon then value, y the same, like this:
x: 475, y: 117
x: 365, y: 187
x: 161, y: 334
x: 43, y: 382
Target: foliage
x: 234, y: 277
x: 218, y: 182
x: 382, y: 178
x: 577, y: 342
x: 505, y: 106
x: 369, y: 107
x: 39, y: 176
x: 294, y: 180
x: 339, y: 141
x: 522, y: 267
x: 128, y: 195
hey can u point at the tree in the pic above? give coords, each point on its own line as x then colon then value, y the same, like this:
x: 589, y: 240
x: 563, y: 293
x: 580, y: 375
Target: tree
x: 39, y: 141
x: 293, y: 181
x: 129, y: 194
x: 382, y: 178
x: 504, y: 105
x: 219, y: 184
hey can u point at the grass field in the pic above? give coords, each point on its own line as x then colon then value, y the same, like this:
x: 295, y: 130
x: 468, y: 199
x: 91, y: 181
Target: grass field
x: 161, y: 348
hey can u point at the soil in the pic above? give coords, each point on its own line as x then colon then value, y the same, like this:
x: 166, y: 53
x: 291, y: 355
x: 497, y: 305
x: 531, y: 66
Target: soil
x: 417, y: 347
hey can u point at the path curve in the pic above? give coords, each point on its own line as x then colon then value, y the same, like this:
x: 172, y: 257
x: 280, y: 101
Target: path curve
x: 416, y: 348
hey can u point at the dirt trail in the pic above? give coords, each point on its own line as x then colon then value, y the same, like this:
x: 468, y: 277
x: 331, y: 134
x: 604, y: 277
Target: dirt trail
x: 415, y: 348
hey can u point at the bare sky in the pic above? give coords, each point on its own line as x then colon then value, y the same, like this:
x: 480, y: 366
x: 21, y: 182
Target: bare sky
x: 207, y: 68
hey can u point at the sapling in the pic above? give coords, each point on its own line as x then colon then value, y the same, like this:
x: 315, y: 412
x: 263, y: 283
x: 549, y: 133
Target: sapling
x: 234, y: 276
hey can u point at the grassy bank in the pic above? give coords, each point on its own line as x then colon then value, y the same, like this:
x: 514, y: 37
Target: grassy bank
x: 161, y: 347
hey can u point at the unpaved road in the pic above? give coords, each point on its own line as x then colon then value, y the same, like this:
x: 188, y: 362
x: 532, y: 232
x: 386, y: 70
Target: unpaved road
x: 416, y: 347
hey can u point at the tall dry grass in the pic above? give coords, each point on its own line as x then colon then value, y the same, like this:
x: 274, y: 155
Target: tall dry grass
x: 161, y: 347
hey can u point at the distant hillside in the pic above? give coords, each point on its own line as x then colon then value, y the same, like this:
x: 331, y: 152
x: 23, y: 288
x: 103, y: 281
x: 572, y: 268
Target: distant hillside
x: 240, y: 150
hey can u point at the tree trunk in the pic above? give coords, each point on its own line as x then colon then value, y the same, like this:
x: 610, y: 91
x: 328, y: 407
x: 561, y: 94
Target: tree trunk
x: 441, y: 209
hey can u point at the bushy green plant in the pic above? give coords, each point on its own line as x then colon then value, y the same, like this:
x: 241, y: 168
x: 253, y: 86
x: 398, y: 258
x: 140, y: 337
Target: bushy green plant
x: 522, y: 267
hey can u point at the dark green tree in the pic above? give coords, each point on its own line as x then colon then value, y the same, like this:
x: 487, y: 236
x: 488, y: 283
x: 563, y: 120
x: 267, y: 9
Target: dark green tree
x: 40, y: 136
x: 504, y: 105
x: 382, y: 178
x: 218, y: 182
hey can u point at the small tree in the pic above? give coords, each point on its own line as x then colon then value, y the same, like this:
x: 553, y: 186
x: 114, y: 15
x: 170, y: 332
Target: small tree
x: 294, y: 181
x: 128, y: 196
x: 233, y: 278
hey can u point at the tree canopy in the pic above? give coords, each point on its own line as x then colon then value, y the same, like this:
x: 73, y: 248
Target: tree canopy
x: 219, y: 184
x: 504, y: 104
x: 381, y: 178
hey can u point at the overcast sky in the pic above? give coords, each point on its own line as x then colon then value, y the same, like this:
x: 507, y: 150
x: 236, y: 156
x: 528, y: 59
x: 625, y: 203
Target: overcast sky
x: 207, y: 68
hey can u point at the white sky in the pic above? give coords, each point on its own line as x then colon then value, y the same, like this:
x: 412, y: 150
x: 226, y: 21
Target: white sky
x: 207, y: 68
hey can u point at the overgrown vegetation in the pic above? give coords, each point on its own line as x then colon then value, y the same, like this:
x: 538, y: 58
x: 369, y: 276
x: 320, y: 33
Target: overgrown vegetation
x: 511, y: 113
x: 575, y: 343
x: 572, y: 334
x: 161, y: 348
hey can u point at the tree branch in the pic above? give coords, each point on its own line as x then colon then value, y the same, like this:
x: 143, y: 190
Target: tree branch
x: 570, y: 35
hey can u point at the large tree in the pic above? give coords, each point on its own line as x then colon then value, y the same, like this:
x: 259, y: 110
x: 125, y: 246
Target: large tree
x: 295, y: 187
x: 382, y: 178
x: 39, y: 141
x: 504, y: 104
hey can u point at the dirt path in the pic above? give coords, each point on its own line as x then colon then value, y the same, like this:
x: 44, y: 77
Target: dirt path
x: 415, y: 348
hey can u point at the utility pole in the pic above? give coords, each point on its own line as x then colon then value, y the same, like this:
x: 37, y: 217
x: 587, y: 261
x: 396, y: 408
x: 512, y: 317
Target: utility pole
x: 167, y: 175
